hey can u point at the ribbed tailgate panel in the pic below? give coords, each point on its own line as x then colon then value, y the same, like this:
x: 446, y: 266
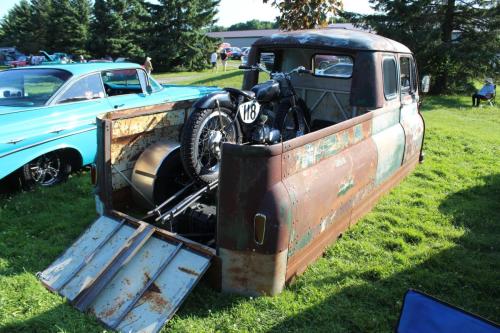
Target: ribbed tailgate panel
x: 130, y: 279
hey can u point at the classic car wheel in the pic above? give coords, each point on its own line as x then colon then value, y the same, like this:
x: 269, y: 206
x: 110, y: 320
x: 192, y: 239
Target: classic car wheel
x: 46, y: 170
x: 202, y: 138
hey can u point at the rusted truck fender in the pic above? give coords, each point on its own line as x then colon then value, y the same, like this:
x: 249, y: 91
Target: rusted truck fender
x: 250, y: 185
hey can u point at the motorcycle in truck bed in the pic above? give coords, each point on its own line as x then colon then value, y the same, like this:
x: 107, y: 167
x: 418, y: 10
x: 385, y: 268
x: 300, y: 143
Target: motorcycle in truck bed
x: 248, y: 186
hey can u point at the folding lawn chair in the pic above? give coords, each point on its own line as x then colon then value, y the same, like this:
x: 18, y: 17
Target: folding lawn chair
x: 422, y: 313
x: 491, y: 100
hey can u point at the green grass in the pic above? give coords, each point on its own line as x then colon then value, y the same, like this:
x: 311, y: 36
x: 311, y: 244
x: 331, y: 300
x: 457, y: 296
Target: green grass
x: 230, y: 78
x: 438, y: 231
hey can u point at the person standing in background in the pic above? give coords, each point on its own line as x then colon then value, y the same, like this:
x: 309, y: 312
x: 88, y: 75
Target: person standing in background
x: 148, y: 66
x: 213, y: 61
x: 223, y: 58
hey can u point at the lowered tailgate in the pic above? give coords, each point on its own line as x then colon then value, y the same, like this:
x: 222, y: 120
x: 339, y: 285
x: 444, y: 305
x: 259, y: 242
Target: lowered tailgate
x: 132, y: 276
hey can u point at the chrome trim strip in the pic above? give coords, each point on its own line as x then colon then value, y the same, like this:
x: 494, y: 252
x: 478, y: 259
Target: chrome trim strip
x: 48, y: 140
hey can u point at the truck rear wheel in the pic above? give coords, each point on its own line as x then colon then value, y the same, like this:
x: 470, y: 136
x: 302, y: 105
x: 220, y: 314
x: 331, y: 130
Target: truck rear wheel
x: 202, y: 138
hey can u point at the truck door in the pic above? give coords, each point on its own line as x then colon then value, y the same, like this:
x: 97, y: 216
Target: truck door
x: 410, y: 119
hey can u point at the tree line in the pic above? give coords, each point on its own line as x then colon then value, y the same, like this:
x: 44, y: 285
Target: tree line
x: 248, y: 25
x: 456, y: 41
x: 172, y: 32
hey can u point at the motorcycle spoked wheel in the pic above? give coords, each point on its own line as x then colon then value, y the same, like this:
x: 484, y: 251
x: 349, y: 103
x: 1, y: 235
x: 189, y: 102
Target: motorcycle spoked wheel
x: 202, y: 138
x: 291, y: 122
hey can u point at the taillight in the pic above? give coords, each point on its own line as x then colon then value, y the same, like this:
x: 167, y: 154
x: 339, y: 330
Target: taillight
x: 259, y: 228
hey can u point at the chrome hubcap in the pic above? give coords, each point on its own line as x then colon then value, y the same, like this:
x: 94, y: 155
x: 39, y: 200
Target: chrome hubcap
x: 46, y: 169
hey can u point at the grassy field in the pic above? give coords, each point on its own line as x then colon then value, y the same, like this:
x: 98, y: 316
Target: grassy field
x: 230, y: 78
x: 438, y: 232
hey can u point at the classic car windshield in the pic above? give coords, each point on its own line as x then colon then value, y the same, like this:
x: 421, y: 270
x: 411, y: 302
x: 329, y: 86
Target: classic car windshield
x: 30, y: 87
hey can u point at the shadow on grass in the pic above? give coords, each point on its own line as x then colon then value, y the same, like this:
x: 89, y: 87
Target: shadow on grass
x: 9, y: 185
x: 465, y: 275
x: 222, y: 76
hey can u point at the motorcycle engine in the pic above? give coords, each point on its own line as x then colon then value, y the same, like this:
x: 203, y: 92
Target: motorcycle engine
x: 264, y: 134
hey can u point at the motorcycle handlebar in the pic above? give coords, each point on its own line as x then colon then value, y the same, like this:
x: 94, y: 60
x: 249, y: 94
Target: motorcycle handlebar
x: 258, y: 66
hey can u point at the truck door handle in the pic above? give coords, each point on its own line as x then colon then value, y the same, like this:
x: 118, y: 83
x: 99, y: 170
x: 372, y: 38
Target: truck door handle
x: 118, y: 106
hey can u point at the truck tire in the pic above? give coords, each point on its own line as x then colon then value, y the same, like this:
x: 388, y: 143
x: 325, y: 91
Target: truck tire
x: 202, y: 139
x: 46, y: 170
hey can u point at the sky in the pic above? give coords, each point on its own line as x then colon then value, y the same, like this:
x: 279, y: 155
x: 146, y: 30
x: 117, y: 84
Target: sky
x: 235, y: 11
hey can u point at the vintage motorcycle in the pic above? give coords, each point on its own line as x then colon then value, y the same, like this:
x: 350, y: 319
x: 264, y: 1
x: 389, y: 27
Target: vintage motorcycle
x: 271, y: 112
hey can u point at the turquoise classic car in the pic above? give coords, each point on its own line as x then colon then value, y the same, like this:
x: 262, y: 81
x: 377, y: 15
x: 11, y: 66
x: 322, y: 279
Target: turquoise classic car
x: 48, y: 113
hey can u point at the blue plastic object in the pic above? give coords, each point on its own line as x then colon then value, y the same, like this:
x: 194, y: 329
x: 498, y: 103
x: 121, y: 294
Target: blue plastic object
x: 422, y: 313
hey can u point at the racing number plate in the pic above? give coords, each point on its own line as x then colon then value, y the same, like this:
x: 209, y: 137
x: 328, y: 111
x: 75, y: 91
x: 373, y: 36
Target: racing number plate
x: 249, y: 111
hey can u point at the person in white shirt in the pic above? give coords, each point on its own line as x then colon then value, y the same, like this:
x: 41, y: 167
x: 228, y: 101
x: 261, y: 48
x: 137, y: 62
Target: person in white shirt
x: 213, y: 61
x: 486, y: 92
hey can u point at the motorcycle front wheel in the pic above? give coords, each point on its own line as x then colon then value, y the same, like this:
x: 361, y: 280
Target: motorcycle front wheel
x: 202, y: 138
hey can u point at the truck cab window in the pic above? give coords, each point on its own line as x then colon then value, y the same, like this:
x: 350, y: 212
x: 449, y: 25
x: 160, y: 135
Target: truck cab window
x: 405, y: 76
x: 390, y: 78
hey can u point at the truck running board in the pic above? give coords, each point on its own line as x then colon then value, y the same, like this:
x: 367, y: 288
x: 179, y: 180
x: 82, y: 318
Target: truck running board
x: 131, y: 276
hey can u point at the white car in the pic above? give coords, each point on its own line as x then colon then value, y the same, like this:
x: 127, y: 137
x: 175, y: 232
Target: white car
x: 338, y: 70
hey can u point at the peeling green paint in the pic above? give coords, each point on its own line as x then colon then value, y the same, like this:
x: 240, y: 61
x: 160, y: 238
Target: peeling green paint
x: 385, y: 120
x: 358, y: 133
x: 390, y: 147
x: 301, y: 243
x: 343, y: 188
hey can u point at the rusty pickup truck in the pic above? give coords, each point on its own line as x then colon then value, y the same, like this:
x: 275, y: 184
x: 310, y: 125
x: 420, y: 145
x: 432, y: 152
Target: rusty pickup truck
x: 271, y: 202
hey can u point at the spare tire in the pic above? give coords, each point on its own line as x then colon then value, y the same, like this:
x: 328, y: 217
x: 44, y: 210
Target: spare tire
x: 201, y: 142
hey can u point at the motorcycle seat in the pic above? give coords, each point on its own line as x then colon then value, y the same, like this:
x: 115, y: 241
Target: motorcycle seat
x: 250, y: 94
x: 247, y: 93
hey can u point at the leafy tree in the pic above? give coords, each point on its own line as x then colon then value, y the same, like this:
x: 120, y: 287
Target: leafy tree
x: 305, y: 14
x: 69, y: 27
x: 253, y: 25
x: 40, y: 21
x: 18, y: 28
x: 177, y: 34
x: 119, y: 28
x: 453, y: 40
x: 216, y: 28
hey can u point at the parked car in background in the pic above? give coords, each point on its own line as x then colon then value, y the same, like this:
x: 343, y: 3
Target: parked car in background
x: 236, y: 53
x: 54, y: 59
x: 20, y: 61
x: 122, y: 59
x: 337, y: 70
x: 228, y: 51
x: 9, y: 54
x: 99, y: 60
x: 48, y: 112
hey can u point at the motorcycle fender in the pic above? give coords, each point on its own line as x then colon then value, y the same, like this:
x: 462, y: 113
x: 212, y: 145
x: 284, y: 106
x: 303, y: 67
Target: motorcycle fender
x: 209, y: 101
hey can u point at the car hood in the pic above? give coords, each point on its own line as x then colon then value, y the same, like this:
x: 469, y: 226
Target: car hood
x: 177, y: 92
